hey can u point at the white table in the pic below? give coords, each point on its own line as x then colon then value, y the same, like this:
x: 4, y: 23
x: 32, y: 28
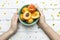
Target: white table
x: 51, y: 10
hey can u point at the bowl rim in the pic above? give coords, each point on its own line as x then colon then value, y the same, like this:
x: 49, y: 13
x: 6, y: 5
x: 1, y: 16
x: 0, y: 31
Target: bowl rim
x: 22, y: 21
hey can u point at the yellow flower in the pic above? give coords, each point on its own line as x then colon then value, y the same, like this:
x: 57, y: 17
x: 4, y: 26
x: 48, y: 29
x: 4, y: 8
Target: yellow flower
x: 4, y: 13
x: 53, y: 24
x: 43, y: 2
x: 10, y: 39
x: 58, y: 15
x: 3, y: 5
x: 16, y: 2
x: 55, y: 4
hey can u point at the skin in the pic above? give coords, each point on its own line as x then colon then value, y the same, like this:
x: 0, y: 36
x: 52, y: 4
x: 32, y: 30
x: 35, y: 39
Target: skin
x: 42, y: 24
x: 12, y: 29
x: 46, y: 28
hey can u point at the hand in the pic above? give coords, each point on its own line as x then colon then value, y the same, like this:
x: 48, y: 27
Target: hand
x: 14, y: 22
x: 42, y: 17
x: 12, y: 29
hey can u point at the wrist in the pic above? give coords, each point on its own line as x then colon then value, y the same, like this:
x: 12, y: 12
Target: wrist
x: 13, y: 28
x: 42, y: 23
x: 12, y: 31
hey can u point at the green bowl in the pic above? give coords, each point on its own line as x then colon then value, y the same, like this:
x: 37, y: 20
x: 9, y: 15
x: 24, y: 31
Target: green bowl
x: 24, y: 22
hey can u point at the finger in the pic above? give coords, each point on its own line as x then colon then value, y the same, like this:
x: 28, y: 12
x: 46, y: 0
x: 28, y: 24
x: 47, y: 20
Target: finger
x: 39, y: 9
x: 15, y: 16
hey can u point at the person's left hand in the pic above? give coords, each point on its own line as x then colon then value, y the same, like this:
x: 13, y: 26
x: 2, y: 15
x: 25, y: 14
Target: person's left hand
x: 14, y: 22
x: 12, y: 29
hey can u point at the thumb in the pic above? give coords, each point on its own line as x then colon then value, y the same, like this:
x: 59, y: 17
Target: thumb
x: 39, y: 9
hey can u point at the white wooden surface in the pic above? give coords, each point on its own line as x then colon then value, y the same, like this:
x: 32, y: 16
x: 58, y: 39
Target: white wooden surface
x: 51, y: 10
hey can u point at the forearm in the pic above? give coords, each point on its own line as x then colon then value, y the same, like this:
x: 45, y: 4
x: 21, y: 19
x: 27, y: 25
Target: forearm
x: 7, y: 35
x: 49, y: 31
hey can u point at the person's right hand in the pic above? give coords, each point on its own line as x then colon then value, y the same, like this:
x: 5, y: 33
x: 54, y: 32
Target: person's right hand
x: 42, y: 17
